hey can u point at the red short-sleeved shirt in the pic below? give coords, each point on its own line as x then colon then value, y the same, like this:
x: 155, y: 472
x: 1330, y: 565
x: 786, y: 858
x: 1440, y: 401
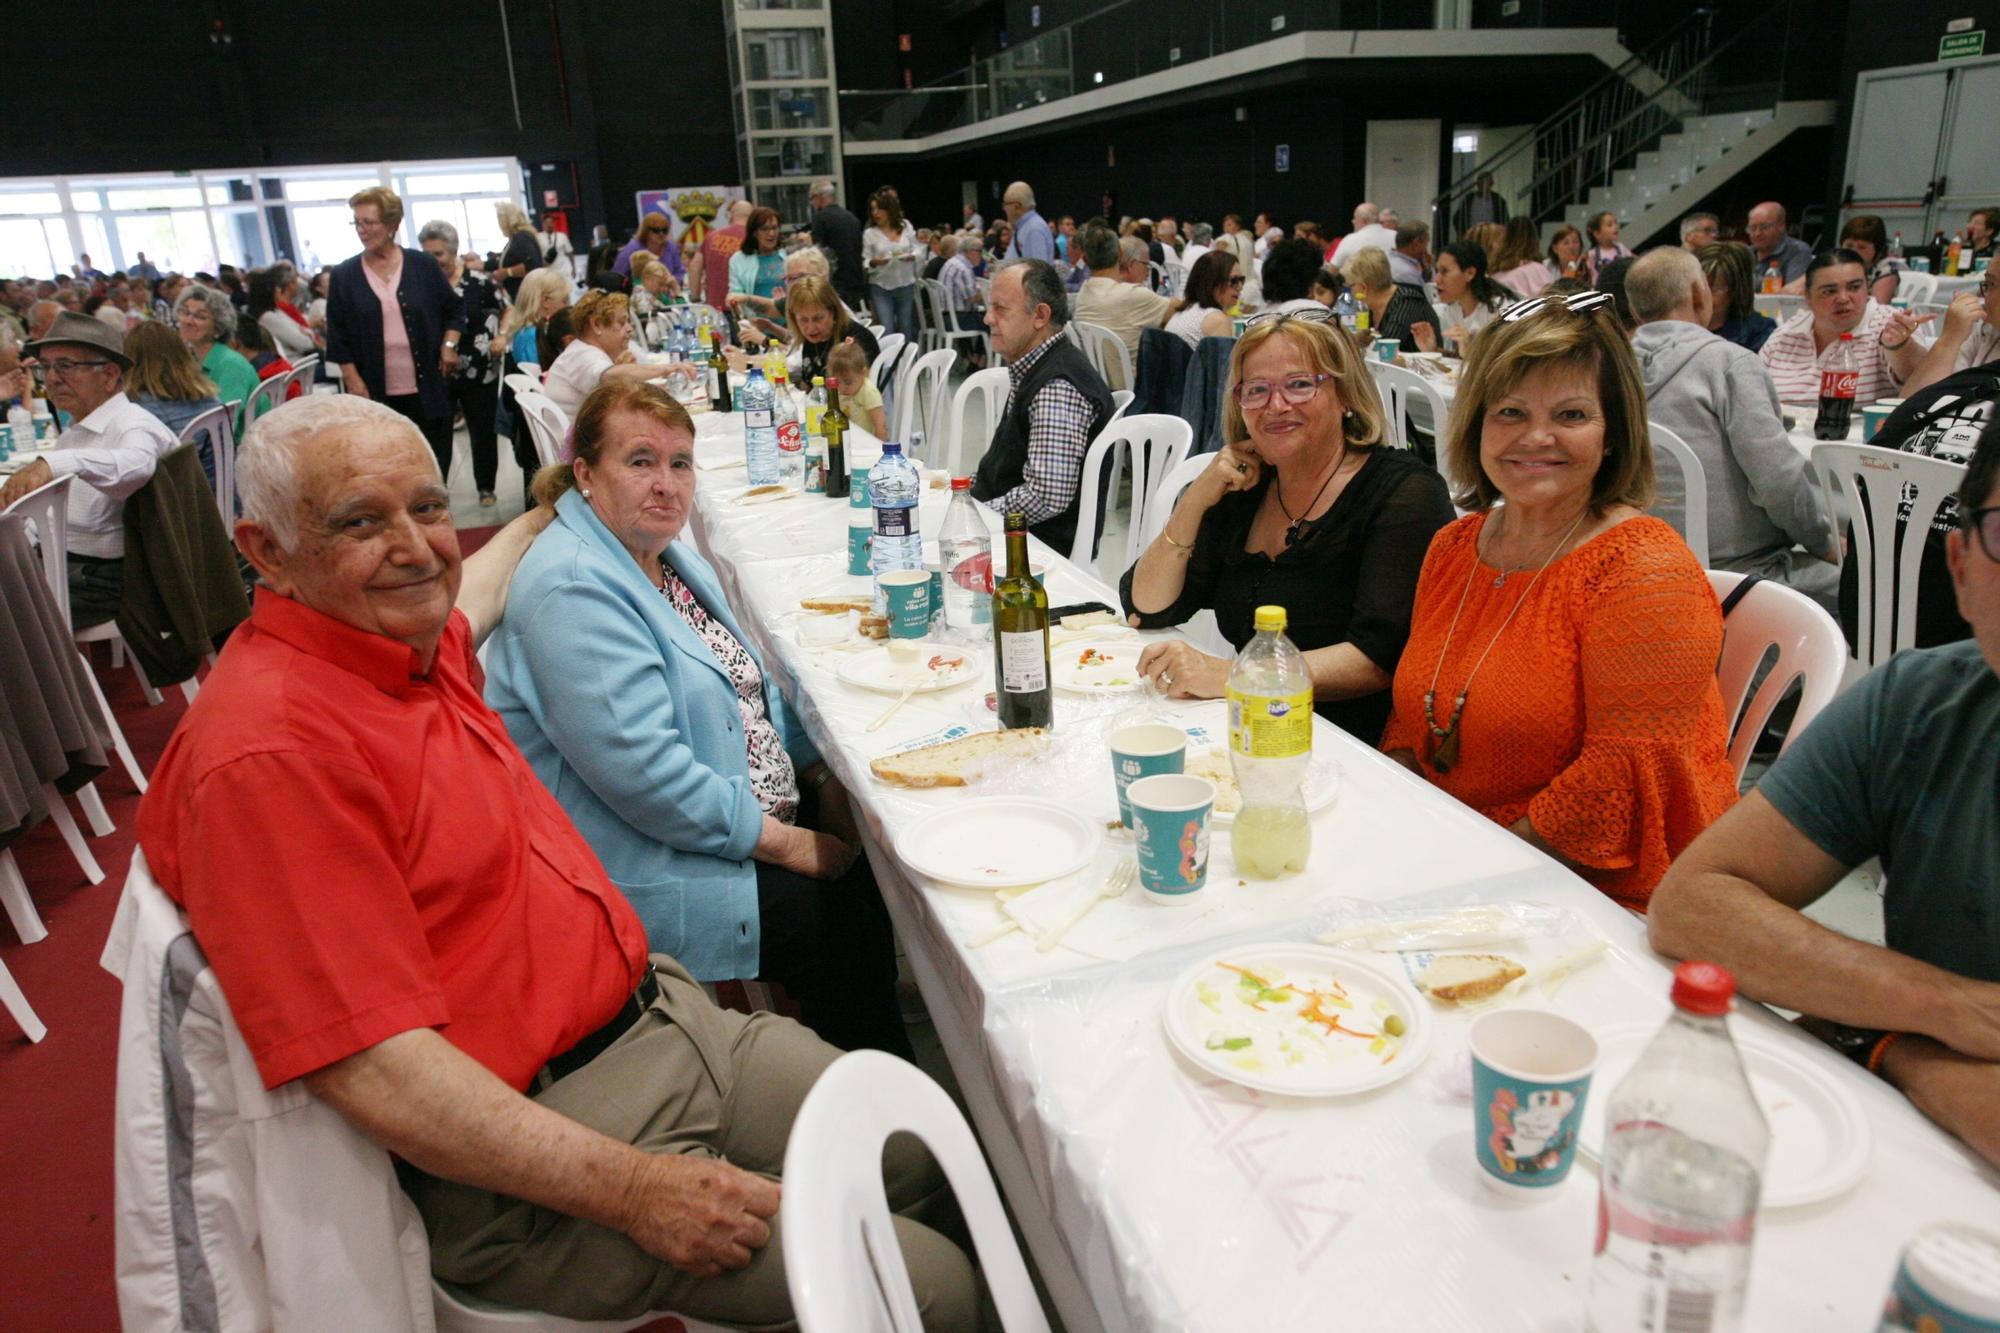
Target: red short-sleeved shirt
x: 362, y: 850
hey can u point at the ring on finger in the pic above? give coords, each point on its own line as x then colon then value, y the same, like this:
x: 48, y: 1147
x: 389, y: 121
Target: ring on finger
x: 1167, y: 679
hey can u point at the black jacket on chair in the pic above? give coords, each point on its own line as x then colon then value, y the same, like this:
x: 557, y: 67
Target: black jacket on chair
x: 183, y: 589
x: 354, y: 325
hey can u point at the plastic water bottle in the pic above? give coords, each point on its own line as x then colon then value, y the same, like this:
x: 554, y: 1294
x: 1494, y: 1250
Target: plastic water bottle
x: 791, y: 434
x: 20, y: 429
x: 1684, y: 1149
x: 965, y: 556
x: 760, y: 432
x: 1344, y: 308
x: 893, y: 488
x: 816, y: 437
x: 1270, y: 748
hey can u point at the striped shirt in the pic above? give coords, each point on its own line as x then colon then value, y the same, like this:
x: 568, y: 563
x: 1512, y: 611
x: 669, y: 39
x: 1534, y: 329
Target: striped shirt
x: 1795, y: 365
x: 1058, y: 438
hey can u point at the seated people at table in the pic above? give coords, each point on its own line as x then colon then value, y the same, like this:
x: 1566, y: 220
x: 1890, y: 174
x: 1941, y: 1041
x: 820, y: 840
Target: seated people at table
x: 1305, y: 507
x: 1519, y: 264
x: 1611, y: 281
x: 848, y: 374
x: 1056, y: 404
x: 1565, y: 254
x: 543, y: 292
x: 207, y: 322
x: 255, y: 347
x: 602, y: 351
x: 111, y: 447
x: 1394, y: 310
x: 1465, y: 290
x: 1698, y: 230
x: 1410, y: 261
x: 1604, y: 243
x: 1116, y: 295
x: 1900, y: 767
x: 1327, y: 288
x: 341, y: 793
x: 1560, y: 673
x: 1970, y: 337
x: 165, y: 381
x: 1774, y: 251
x: 1290, y: 269
x: 1733, y: 314
x: 649, y: 284
x: 960, y: 278
x: 288, y: 336
x: 1865, y: 235
x: 1765, y: 514
x: 1980, y: 230
x: 1885, y: 342
x: 1203, y: 309
x: 943, y: 246
x: 757, y: 270
x: 655, y: 237
x: 624, y: 678
x: 818, y: 323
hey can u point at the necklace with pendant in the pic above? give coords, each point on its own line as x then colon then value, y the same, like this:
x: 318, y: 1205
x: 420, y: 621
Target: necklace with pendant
x: 1446, y: 738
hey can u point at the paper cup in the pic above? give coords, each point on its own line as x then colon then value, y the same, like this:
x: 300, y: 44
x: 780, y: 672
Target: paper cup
x: 908, y: 592
x: 1530, y: 1077
x: 1170, y: 828
x: 1385, y: 349
x: 1921, y: 263
x: 857, y: 487
x: 859, y: 551
x: 1872, y: 417
x: 1144, y: 750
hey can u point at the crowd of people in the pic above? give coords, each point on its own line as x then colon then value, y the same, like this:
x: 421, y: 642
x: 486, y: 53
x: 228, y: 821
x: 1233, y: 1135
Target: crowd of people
x: 623, y: 804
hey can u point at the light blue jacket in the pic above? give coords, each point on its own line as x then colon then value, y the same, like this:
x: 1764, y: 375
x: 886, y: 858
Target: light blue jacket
x: 629, y: 720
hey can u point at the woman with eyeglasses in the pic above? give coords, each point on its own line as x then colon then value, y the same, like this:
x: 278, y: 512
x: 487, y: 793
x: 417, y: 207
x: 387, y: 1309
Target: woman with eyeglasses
x: 1886, y: 346
x: 1213, y: 285
x: 206, y: 320
x: 1303, y: 508
x: 1560, y: 671
x: 1394, y: 312
x: 757, y: 271
x: 1464, y: 286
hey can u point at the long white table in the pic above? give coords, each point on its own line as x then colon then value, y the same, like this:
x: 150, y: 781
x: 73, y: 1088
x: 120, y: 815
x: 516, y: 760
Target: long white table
x: 1153, y: 1197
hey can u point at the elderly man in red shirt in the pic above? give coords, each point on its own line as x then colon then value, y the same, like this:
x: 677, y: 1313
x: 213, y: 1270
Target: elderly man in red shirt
x: 401, y: 915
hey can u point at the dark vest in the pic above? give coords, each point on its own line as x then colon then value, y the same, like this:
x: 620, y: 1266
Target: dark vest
x: 1007, y: 457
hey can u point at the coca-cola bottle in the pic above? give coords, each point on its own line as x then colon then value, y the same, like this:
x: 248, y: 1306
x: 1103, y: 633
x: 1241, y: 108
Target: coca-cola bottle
x: 1837, y: 376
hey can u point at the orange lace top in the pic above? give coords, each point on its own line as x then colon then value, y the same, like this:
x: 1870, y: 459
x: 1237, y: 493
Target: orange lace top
x: 1597, y: 714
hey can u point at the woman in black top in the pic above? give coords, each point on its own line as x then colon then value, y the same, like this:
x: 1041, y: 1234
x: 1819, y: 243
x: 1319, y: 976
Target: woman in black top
x: 1301, y: 509
x: 1394, y: 310
x: 523, y: 254
x: 819, y: 323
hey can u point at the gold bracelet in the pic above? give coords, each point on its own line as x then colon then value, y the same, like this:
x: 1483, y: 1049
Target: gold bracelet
x: 1178, y: 546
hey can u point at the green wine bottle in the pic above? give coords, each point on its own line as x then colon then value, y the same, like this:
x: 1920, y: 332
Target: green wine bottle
x: 833, y: 425
x: 1021, y: 638
x: 718, y: 373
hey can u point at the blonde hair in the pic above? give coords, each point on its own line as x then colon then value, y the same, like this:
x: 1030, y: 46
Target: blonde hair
x: 597, y: 310
x: 1327, y: 350
x: 386, y: 201
x: 540, y: 284
x: 1367, y: 267
x: 642, y: 261
x: 162, y: 366
x: 593, y: 424
x: 850, y: 363
x: 513, y: 220
x: 813, y: 290
x: 1592, y: 343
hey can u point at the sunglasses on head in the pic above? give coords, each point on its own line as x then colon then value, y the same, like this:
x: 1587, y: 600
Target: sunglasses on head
x: 1319, y: 316
x: 1577, y: 303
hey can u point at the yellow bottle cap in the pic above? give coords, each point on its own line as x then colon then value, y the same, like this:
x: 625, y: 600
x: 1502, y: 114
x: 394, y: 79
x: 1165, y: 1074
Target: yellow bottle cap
x: 1270, y: 620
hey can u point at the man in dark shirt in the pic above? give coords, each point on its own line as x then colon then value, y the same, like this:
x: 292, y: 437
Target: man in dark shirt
x: 838, y: 232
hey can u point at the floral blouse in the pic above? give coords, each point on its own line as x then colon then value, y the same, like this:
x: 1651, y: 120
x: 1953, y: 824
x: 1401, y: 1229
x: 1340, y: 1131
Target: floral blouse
x: 479, y: 351
x: 773, y: 780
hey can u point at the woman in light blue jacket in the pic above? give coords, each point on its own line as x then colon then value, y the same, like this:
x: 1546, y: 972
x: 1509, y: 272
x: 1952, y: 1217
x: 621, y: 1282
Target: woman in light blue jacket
x: 622, y: 675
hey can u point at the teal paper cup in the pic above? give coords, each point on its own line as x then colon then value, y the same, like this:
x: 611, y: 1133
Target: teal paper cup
x: 1170, y: 828
x: 1872, y: 417
x: 857, y: 487
x: 1144, y: 750
x: 1530, y: 1078
x: 908, y: 592
x: 858, y: 549
x: 1385, y: 349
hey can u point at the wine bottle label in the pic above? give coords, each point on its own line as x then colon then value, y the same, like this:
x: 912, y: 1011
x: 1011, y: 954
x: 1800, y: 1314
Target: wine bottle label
x: 752, y: 418
x: 1024, y: 661
x: 894, y: 522
x: 1265, y: 726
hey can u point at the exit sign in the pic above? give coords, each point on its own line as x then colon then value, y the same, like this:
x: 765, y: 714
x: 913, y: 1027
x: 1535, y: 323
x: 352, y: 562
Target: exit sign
x: 1959, y: 45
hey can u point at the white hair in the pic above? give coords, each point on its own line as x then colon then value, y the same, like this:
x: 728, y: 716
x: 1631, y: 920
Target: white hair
x: 267, y: 471
x: 220, y: 308
x: 1020, y: 192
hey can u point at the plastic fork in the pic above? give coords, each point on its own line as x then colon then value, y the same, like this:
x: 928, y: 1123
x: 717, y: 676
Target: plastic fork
x: 1114, y: 885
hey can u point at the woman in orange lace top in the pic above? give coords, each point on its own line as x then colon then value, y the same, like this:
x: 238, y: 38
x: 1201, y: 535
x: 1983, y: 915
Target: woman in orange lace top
x: 1560, y: 670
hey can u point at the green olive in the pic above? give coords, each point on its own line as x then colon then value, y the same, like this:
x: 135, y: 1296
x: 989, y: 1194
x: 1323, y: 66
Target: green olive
x: 1393, y: 1025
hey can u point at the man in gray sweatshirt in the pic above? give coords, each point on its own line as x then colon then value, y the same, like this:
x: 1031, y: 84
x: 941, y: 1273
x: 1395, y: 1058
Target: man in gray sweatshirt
x: 1765, y: 515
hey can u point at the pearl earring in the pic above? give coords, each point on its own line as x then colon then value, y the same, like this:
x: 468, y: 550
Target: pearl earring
x: 586, y: 492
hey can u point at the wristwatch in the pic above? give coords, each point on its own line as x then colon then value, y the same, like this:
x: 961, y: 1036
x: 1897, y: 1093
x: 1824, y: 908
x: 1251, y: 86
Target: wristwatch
x: 1857, y: 1044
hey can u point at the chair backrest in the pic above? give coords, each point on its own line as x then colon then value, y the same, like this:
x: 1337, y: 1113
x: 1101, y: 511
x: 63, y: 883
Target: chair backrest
x: 548, y: 424
x: 520, y: 381
x: 1120, y: 400
x: 887, y: 349
x: 922, y: 399
x: 1914, y: 287
x: 1694, y: 481
x: 215, y: 423
x: 304, y: 371
x: 1400, y: 388
x: 47, y: 507
x: 843, y: 1266
x: 1160, y: 281
x: 990, y: 387
x: 267, y: 395
x: 1892, y: 498
x: 1106, y: 350
x: 1810, y: 650
x: 1152, y: 444
x: 1160, y: 504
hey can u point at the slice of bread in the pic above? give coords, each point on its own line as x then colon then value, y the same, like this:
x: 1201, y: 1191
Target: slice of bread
x: 874, y: 627
x: 953, y: 763
x: 837, y: 602
x: 1087, y: 619
x: 1459, y: 977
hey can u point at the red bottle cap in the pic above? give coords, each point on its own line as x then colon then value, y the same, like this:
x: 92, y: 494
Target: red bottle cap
x: 961, y: 483
x: 1847, y: 337
x: 1703, y: 988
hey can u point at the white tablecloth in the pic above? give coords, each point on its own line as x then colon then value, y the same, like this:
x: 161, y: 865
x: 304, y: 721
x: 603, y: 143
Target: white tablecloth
x: 1155, y: 1198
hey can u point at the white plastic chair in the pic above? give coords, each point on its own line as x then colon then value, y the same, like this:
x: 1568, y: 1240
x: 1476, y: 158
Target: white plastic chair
x: 1106, y: 351
x: 1406, y: 394
x: 1151, y: 443
x: 461, y: 1312
x: 1885, y: 621
x: 47, y: 507
x: 888, y: 347
x: 921, y: 398
x: 1916, y: 287
x: 1120, y: 400
x: 267, y: 395
x: 520, y: 381
x: 949, y: 331
x: 547, y: 423
x: 991, y: 387
x: 1810, y: 651
x: 11, y: 994
x: 843, y: 1266
x: 216, y: 425
x: 1175, y: 478
x: 1694, y: 480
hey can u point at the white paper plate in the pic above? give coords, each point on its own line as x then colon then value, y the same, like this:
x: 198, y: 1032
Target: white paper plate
x: 1204, y: 1006
x: 1820, y: 1141
x: 875, y: 670
x: 1000, y: 842
x: 1114, y: 666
